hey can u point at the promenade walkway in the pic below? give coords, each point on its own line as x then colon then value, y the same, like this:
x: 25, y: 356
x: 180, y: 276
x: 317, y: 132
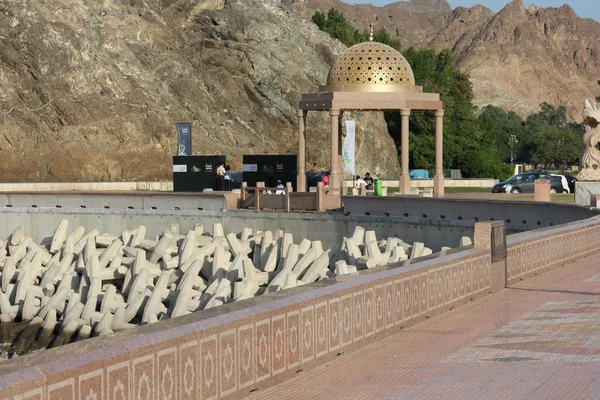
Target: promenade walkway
x: 539, y: 339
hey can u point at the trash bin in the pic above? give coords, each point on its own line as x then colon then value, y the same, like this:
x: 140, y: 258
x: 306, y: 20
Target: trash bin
x: 378, y: 187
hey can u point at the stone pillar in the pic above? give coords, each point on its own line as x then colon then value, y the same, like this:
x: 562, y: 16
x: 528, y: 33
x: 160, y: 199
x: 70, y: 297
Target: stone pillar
x: 335, y: 176
x: 404, y: 176
x: 438, y: 178
x: 301, y: 178
x: 491, y: 236
x: 340, y: 152
x: 541, y: 190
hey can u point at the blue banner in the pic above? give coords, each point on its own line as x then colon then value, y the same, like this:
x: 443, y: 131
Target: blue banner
x: 184, y: 144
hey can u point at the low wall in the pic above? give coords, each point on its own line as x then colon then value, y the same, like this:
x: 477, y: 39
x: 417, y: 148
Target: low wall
x: 519, y: 216
x: 428, y: 183
x: 123, y: 200
x: 330, y: 228
x: 535, y: 252
x: 165, y: 186
x: 231, y: 350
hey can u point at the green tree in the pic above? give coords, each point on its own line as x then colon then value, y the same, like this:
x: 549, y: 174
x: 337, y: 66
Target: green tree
x: 319, y: 19
x: 338, y: 27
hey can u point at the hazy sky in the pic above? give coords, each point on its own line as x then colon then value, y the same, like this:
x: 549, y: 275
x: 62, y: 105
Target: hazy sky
x: 584, y: 8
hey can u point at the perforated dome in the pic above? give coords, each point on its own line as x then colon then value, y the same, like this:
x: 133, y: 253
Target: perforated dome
x: 370, y: 67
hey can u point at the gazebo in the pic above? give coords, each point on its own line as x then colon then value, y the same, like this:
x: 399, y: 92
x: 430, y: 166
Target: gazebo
x: 370, y: 76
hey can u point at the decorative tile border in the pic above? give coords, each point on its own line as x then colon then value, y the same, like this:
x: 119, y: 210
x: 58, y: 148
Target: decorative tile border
x: 530, y: 256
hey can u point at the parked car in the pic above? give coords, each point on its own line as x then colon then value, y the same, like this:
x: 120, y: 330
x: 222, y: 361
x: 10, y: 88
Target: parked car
x: 558, y: 184
x: 571, y: 182
x: 520, y: 183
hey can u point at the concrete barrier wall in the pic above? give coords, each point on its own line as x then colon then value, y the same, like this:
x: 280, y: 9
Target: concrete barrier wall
x: 107, y: 200
x: 165, y: 186
x: 519, y: 216
x: 428, y: 183
x: 330, y: 228
x: 237, y: 348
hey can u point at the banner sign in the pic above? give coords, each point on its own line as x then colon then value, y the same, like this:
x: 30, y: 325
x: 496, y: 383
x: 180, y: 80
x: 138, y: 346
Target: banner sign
x: 349, y: 147
x: 250, y: 167
x: 179, y: 168
x: 184, y: 143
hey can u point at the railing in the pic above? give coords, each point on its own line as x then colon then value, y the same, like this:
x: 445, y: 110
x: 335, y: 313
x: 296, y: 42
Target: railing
x: 260, y: 197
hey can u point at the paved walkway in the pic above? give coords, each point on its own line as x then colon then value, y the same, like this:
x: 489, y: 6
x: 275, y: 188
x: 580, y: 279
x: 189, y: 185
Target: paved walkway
x: 537, y: 340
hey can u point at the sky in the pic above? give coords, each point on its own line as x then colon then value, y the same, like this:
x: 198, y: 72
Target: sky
x: 583, y: 8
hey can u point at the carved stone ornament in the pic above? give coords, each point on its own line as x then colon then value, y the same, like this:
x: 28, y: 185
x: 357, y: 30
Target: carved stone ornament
x: 590, y: 156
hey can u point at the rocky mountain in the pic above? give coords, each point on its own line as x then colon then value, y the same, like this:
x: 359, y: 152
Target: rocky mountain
x: 91, y: 90
x: 517, y: 58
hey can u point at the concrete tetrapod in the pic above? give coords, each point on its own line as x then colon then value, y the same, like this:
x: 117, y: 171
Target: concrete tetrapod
x: 76, y: 285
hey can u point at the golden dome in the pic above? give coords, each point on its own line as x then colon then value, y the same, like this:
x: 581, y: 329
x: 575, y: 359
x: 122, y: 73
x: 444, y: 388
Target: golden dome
x: 370, y: 67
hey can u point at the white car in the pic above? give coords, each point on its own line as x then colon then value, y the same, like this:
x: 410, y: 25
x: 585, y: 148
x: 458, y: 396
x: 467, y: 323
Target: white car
x: 563, y: 181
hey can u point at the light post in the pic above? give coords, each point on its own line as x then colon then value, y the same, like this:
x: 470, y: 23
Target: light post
x: 512, y: 141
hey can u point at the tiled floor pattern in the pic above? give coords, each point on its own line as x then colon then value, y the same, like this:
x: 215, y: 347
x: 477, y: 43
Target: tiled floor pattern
x: 539, y: 339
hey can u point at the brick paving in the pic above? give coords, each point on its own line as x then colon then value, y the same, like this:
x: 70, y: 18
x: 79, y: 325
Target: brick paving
x: 539, y: 339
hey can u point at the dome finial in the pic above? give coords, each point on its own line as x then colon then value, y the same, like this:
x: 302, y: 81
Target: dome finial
x: 370, y: 32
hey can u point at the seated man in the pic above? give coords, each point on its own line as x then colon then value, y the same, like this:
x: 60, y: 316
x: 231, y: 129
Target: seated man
x: 369, y: 181
x: 359, y: 181
x: 280, y: 186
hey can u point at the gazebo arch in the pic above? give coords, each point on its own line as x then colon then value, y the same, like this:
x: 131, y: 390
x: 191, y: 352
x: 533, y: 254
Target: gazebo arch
x: 370, y: 76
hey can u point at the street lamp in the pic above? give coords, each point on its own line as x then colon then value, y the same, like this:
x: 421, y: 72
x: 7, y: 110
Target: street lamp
x: 512, y: 141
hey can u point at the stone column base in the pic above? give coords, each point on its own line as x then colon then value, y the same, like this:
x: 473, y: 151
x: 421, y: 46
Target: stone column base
x: 438, y: 186
x: 301, y: 183
x: 404, y: 184
x: 585, y: 193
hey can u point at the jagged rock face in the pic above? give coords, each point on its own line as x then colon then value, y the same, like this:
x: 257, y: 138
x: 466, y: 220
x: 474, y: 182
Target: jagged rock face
x: 415, y: 21
x: 517, y: 58
x: 521, y: 58
x: 92, y: 92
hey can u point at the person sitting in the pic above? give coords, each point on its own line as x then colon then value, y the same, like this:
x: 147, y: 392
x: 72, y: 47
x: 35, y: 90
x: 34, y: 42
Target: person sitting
x: 280, y: 186
x: 325, y: 179
x: 369, y: 181
x: 359, y: 181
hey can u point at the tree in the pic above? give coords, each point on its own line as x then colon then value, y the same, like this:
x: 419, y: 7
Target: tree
x: 337, y: 26
x: 319, y: 19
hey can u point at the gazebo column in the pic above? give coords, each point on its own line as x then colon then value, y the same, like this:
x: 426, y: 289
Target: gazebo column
x: 438, y: 178
x: 301, y: 178
x: 341, y: 150
x: 335, y: 176
x: 404, y: 174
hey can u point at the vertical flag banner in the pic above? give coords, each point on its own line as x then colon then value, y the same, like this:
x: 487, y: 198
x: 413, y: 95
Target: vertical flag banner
x: 184, y: 143
x: 349, y: 147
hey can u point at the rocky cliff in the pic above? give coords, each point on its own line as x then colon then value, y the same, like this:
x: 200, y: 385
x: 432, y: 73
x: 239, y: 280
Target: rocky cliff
x: 91, y: 90
x: 517, y: 58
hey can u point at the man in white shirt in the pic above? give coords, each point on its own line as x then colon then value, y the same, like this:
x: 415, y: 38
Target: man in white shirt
x: 221, y: 177
x: 280, y: 186
x: 359, y: 181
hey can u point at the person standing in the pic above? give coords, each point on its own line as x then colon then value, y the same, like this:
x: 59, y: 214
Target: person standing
x: 221, y: 177
x: 216, y: 172
x: 228, y: 178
